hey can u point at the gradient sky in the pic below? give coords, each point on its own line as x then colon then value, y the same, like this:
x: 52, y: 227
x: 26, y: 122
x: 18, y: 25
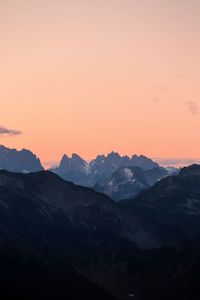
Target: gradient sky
x: 91, y: 76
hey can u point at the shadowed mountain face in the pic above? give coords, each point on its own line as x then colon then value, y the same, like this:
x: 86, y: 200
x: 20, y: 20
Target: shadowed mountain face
x: 23, y: 161
x: 61, y: 241
x: 45, y: 224
x: 77, y: 170
x: 127, y: 182
x: 171, y: 208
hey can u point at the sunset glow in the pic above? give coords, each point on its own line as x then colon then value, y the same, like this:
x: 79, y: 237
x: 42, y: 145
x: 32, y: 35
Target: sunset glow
x: 95, y: 76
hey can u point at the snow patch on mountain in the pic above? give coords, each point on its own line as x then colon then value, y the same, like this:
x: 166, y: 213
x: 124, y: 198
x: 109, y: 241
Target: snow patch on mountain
x: 110, y: 183
x: 87, y: 168
x: 128, y: 173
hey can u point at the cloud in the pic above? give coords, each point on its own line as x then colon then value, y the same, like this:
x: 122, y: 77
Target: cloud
x: 161, y: 87
x: 192, y: 107
x: 9, y: 132
x: 51, y: 163
x: 177, y: 161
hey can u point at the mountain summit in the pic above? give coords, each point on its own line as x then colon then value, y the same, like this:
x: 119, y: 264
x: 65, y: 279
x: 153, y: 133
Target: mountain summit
x: 193, y: 170
x: 23, y: 161
x: 74, y: 163
x: 126, y: 182
x: 79, y: 171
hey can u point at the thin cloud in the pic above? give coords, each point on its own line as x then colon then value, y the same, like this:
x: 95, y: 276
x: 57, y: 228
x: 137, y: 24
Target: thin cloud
x: 153, y: 105
x: 51, y: 164
x: 176, y: 161
x: 9, y: 132
x: 161, y: 87
x: 192, y: 107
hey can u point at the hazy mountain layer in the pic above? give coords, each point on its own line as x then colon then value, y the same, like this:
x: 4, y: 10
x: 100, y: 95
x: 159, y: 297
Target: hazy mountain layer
x: 128, y: 181
x: 79, y: 171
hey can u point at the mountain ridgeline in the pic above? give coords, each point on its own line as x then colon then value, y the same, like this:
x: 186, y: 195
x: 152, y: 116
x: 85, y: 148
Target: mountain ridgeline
x: 23, y: 161
x: 107, y: 174
x: 127, y: 182
x: 80, y: 172
x: 171, y: 207
x: 62, y: 241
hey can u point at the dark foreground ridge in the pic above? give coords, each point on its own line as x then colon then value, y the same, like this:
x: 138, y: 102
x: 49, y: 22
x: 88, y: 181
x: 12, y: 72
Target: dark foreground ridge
x: 62, y: 241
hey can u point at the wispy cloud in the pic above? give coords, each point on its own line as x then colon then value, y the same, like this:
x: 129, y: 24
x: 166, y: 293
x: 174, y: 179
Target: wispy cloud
x: 152, y: 105
x: 177, y: 161
x: 8, y: 132
x: 161, y: 87
x: 51, y: 164
x: 192, y: 107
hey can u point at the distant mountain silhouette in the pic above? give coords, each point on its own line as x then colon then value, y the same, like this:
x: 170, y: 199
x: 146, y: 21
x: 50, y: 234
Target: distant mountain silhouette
x: 126, y: 182
x: 80, y: 172
x: 74, y: 169
x: 23, y: 161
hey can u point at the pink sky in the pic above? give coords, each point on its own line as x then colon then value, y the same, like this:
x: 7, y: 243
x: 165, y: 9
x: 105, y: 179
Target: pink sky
x: 94, y: 76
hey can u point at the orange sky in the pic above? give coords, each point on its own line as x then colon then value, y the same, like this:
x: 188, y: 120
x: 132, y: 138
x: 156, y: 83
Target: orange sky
x: 91, y: 76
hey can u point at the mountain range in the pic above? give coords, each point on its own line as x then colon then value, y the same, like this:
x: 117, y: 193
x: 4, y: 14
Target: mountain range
x: 60, y: 241
x: 107, y: 174
x: 171, y: 207
x: 128, y: 181
x: 80, y: 172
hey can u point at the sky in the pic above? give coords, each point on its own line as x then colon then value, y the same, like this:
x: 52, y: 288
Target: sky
x: 92, y: 76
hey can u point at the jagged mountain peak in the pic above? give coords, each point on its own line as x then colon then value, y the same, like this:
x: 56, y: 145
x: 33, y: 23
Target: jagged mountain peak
x: 74, y: 156
x: 81, y: 172
x: 113, y: 155
x: 77, y: 157
x: 99, y: 158
x: 23, y: 161
x: 126, y: 182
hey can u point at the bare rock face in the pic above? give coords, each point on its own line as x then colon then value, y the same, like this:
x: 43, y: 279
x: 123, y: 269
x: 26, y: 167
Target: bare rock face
x: 126, y: 182
x: 23, y: 161
x: 80, y: 172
